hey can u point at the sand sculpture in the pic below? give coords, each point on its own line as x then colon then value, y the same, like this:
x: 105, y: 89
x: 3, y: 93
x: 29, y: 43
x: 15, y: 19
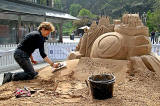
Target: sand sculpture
x: 126, y: 39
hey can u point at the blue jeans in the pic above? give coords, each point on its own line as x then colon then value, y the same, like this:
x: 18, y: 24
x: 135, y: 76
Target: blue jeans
x: 152, y: 39
x: 24, y: 62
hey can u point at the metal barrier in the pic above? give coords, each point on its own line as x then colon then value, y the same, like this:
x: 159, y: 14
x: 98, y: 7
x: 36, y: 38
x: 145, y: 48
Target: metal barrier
x: 55, y: 51
x: 156, y: 48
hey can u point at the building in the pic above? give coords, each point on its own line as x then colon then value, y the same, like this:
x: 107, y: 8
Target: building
x: 18, y: 17
x: 49, y: 3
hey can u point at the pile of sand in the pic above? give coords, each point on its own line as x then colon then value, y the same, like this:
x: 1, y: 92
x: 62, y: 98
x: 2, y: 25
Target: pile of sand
x: 68, y: 87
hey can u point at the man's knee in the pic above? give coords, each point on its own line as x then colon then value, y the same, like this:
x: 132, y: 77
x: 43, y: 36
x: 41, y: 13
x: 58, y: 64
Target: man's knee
x: 24, y: 76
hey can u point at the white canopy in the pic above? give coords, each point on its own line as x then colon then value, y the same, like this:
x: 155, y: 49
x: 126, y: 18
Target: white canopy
x: 84, y: 27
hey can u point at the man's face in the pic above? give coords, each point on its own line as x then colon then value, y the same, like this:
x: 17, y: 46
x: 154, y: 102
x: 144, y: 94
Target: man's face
x: 45, y: 33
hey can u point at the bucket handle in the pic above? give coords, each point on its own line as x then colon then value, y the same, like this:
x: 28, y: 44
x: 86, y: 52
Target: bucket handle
x: 87, y: 87
x: 87, y: 83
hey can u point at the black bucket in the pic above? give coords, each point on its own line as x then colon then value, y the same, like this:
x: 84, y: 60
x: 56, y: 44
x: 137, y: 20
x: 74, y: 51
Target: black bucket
x: 101, y: 86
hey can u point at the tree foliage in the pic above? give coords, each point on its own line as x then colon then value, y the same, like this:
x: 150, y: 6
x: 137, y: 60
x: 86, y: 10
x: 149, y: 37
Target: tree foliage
x: 80, y: 23
x: 74, y: 9
x: 85, y: 13
x: 113, y: 8
x: 153, y: 18
x: 86, y: 18
x: 153, y: 21
x: 68, y: 28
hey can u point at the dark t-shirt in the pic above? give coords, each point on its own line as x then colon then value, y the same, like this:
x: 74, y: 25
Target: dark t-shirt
x: 33, y: 40
x: 152, y: 33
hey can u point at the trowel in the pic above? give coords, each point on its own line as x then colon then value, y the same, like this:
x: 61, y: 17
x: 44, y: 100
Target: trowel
x: 60, y: 66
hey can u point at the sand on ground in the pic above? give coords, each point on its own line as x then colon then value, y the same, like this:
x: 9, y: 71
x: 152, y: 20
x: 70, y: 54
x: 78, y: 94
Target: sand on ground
x: 67, y: 87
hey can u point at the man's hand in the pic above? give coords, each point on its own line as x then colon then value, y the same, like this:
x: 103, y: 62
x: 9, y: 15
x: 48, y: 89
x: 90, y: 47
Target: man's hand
x: 55, y: 65
x: 34, y: 62
x: 52, y: 64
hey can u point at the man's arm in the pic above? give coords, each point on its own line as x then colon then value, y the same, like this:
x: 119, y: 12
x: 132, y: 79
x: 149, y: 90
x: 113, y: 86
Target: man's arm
x: 46, y: 59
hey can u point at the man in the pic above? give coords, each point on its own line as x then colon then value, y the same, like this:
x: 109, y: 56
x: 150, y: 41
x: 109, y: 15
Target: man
x: 24, y: 50
x: 156, y: 37
x: 152, y: 37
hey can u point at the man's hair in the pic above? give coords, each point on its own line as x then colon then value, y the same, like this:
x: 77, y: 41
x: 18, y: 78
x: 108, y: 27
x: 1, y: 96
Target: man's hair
x: 46, y: 26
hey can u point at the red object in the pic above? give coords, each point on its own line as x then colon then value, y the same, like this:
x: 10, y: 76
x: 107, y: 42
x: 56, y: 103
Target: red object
x: 22, y: 93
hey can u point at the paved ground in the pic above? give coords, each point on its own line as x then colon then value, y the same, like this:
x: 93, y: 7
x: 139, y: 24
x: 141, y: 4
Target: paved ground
x: 36, y: 67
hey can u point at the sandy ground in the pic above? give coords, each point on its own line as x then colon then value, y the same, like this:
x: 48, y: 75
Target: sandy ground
x: 67, y: 87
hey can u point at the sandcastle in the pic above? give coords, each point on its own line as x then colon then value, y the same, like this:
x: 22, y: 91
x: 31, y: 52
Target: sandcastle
x: 126, y: 39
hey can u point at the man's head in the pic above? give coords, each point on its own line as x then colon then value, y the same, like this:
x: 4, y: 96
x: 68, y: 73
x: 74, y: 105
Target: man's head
x: 46, y: 28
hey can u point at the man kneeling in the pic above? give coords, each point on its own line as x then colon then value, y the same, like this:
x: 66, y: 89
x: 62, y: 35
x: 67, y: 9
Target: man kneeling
x: 33, y: 40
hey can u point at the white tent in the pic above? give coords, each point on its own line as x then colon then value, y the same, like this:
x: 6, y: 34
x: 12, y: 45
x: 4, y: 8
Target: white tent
x: 84, y: 27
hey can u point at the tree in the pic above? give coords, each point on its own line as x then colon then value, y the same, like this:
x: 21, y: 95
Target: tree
x: 86, y: 18
x: 86, y: 13
x: 113, y: 8
x: 74, y: 9
x: 80, y: 23
x: 68, y: 28
x: 153, y: 18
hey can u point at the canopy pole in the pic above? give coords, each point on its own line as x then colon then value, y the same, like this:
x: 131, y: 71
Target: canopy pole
x: 60, y: 32
x: 19, y: 31
x: 45, y: 19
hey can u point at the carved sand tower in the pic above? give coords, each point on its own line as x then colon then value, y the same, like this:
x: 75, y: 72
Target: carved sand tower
x: 84, y: 47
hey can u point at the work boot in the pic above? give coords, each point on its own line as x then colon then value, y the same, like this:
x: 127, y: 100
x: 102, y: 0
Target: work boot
x: 36, y: 74
x: 7, y: 77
